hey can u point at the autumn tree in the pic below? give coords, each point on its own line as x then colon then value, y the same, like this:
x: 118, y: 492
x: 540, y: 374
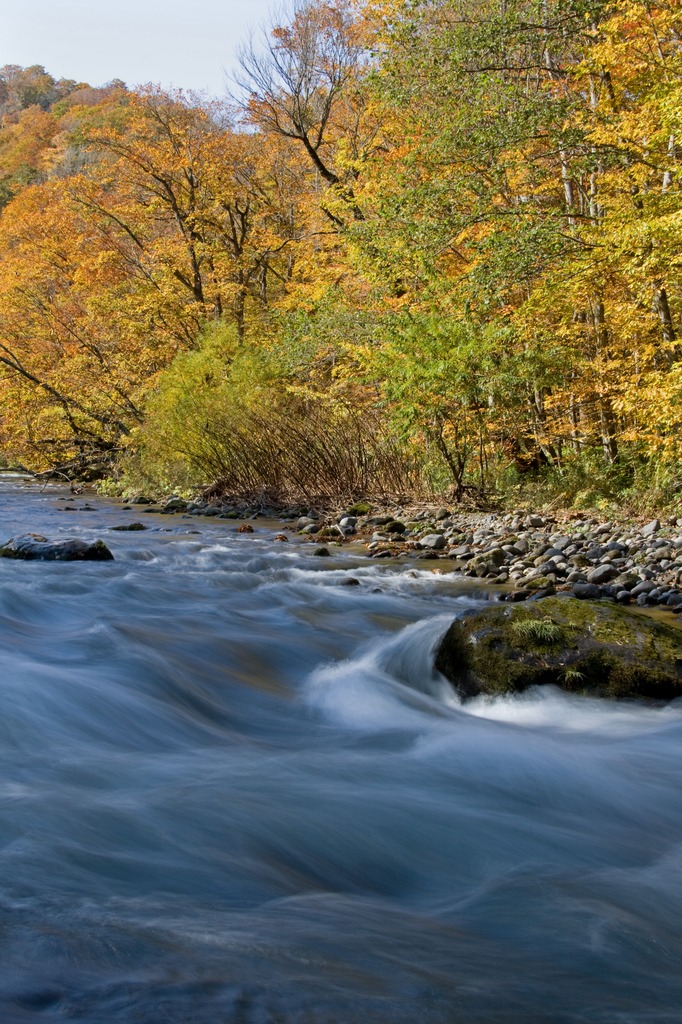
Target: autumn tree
x: 174, y: 221
x: 197, y: 201
x: 71, y: 382
x: 302, y: 81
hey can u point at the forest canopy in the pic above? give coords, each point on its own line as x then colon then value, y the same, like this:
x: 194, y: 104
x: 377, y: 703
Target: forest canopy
x: 426, y: 247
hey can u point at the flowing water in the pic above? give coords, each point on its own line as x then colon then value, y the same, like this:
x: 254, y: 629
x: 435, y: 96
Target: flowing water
x: 233, y: 791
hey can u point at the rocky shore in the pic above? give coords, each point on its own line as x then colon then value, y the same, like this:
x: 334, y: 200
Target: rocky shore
x: 529, y: 555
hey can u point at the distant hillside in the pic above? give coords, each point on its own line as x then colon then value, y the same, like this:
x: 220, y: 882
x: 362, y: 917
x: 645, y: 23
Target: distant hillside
x: 35, y: 113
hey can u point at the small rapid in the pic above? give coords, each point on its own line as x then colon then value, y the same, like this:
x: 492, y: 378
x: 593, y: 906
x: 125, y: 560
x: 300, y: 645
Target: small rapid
x: 233, y: 789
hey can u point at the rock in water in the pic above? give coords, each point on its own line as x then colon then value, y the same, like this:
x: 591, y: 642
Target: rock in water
x: 33, y: 546
x: 588, y: 647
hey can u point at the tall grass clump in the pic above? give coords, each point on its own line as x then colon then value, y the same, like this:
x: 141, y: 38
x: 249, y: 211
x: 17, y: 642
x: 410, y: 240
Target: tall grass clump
x: 228, y: 414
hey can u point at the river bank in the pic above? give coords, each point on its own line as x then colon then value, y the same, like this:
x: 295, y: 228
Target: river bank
x: 530, y: 555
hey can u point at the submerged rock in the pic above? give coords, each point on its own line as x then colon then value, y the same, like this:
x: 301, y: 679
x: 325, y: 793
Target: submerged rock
x: 33, y: 546
x: 590, y: 647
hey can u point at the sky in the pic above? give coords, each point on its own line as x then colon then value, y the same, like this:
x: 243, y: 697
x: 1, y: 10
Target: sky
x: 188, y: 44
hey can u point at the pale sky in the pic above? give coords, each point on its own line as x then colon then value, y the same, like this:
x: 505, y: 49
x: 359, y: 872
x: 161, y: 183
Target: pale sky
x: 185, y: 43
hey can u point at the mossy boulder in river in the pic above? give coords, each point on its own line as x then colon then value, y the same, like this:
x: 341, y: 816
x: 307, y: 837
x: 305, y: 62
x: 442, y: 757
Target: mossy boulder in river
x: 591, y: 647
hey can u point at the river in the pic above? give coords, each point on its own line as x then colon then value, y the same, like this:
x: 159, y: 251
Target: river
x: 233, y: 791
